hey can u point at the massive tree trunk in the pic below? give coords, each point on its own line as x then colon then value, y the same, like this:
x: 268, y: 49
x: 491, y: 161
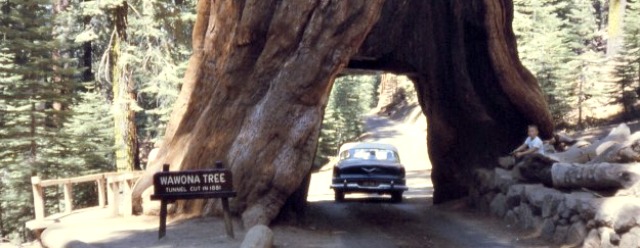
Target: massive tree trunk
x: 262, y: 69
x: 477, y: 96
x: 254, y: 93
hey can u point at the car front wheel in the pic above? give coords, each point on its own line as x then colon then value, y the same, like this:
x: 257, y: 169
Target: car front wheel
x: 339, y: 196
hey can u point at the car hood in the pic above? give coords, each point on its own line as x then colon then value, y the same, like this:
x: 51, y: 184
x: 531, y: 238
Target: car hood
x: 362, y: 162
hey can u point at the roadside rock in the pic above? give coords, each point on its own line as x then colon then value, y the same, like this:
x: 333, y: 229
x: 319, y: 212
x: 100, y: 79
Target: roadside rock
x: 502, y: 180
x: 577, y: 234
x: 631, y: 238
x: 627, y: 218
x: 548, y: 229
x: 614, y: 238
x: 525, y: 216
x: 537, y: 194
x: 514, y: 195
x: 499, y: 205
x: 560, y: 234
x: 550, y: 206
x: 605, y: 237
x: 511, y: 217
x: 259, y: 236
x: 592, y: 240
x: 149, y: 207
x: 484, y: 176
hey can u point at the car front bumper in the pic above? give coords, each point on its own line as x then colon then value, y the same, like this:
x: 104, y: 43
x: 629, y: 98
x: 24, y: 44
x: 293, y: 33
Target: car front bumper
x: 346, y: 186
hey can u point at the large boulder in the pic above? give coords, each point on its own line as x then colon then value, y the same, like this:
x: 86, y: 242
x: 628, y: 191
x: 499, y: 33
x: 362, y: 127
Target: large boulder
x: 259, y: 236
x: 631, y: 238
x: 499, y: 205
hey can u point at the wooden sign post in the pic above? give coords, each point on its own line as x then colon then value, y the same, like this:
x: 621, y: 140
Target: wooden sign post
x: 196, y: 184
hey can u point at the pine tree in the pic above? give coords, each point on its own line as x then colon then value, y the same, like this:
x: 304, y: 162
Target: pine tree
x: 541, y: 31
x: 155, y: 53
x: 627, y: 62
x: 584, y: 86
x: 33, y: 83
x: 162, y: 49
x: 51, y: 125
x: 562, y: 43
x: 352, y: 97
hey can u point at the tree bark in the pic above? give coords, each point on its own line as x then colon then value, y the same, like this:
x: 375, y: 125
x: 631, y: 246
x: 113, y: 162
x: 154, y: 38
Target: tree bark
x: 387, y: 91
x: 600, y: 176
x: 56, y: 116
x: 86, y: 58
x: 124, y: 96
x: 254, y: 94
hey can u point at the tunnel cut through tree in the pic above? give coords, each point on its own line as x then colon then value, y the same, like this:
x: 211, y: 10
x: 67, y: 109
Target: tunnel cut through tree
x: 261, y: 71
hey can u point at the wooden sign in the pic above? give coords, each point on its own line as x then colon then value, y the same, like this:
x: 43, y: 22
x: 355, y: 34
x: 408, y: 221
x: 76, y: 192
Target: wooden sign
x: 214, y: 183
x: 197, y: 184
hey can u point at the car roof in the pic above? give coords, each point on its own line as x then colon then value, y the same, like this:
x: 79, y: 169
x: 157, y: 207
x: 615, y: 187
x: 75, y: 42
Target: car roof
x: 366, y: 145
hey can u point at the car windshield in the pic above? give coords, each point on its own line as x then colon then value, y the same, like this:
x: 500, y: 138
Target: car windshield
x: 370, y: 154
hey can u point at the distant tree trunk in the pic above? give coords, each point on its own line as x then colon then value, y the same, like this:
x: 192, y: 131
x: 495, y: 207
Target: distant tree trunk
x: 2, y: 231
x: 615, y: 28
x: 387, y: 90
x: 59, y: 6
x: 124, y: 96
x: 86, y: 58
x: 33, y: 145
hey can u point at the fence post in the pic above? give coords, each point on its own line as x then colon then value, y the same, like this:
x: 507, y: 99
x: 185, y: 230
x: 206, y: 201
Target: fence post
x: 101, y: 194
x: 126, y: 195
x: 38, y: 198
x: 68, y: 197
x: 113, y: 190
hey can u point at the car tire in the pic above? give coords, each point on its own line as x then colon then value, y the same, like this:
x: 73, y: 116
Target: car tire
x: 339, y: 196
x: 396, y: 197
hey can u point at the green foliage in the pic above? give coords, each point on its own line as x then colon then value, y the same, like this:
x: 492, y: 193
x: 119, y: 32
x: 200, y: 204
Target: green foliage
x: 33, y: 80
x: 539, y: 31
x: 162, y: 39
x: 351, y: 98
x: 90, y: 131
x: 55, y: 94
x: 563, y: 43
x: 627, y: 63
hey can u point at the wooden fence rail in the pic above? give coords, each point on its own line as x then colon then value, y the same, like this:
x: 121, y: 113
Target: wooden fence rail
x: 114, y: 191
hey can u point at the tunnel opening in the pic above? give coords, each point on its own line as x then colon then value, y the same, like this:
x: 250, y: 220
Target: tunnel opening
x: 392, y: 116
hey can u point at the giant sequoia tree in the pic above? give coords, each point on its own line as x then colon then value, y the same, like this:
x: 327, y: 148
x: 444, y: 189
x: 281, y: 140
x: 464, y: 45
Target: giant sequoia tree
x: 261, y: 72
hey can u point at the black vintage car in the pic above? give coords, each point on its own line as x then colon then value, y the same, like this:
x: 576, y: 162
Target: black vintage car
x: 368, y: 168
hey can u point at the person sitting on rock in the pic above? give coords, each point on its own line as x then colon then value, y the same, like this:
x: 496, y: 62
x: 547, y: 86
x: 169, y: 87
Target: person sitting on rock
x: 533, y: 144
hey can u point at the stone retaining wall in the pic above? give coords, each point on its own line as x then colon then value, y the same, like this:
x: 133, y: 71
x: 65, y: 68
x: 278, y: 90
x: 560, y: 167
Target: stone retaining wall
x: 578, y: 218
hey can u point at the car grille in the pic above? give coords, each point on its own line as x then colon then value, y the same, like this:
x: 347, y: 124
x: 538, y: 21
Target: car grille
x: 370, y: 170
